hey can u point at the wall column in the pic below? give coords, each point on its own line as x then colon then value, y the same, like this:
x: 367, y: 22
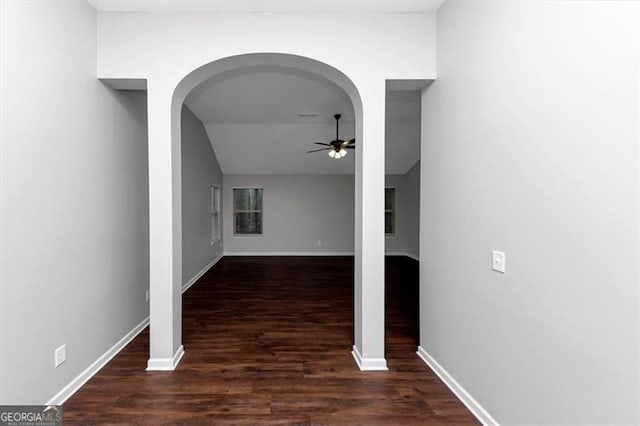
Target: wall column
x: 368, y: 349
x: 165, y: 228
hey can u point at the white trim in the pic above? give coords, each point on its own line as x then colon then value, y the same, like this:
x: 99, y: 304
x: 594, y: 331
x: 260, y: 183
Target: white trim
x: 313, y: 253
x: 90, y: 371
x: 216, y: 202
x: 474, y: 406
x: 413, y: 256
x: 166, y: 364
x: 291, y: 253
x: 368, y: 364
x: 197, y: 276
x: 403, y: 253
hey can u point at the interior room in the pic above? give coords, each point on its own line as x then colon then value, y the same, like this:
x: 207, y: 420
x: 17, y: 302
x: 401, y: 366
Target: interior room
x: 355, y: 212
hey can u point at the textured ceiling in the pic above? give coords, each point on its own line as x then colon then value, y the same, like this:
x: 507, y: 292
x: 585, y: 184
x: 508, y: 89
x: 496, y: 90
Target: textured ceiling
x: 268, y: 6
x: 252, y: 117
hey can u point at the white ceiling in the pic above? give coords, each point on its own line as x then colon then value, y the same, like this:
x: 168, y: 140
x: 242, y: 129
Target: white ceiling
x: 268, y: 6
x: 252, y: 119
x: 269, y: 95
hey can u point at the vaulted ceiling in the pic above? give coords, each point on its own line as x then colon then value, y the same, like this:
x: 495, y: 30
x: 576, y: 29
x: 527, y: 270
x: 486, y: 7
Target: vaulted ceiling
x: 264, y: 120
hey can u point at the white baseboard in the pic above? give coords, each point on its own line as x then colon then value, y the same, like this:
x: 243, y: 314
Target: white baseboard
x: 291, y: 253
x: 413, y: 256
x: 166, y: 364
x: 312, y: 253
x: 403, y: 253
x: 368, y: 364
x: 464, y: 396
x: 193, y: 280
x: 90, y: 371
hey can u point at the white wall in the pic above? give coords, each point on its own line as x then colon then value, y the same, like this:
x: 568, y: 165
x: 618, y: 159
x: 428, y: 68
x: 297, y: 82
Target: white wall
x: 411, y: 206
x: 74, y: 201
x: 299, y: 210
x: 387, y: 45
x: 200, y: 170
x: 407, y: 236
x: 531, y: 147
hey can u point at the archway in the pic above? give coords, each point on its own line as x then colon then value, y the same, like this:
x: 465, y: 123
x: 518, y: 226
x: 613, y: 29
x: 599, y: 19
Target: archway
x: 165, y: 216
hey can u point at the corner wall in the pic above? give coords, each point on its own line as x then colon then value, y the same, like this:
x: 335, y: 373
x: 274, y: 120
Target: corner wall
x: 407, y: 237
x: 200, y: 170
x: 530, y: 146
x: 412, y: 209
x: 75, y: 243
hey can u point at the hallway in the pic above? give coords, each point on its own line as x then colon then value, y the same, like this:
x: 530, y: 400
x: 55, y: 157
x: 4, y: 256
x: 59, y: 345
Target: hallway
x: 268, y: 340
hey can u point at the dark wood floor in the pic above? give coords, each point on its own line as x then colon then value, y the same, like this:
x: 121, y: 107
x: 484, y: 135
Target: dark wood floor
x: 268, y: 341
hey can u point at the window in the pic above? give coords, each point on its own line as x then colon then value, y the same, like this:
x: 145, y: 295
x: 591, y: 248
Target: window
x: 247, y: 211
x: 390, y: 211
x: 215, y: 214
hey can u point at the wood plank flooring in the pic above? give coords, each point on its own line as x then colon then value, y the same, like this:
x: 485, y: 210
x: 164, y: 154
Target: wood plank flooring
x: 268, y: 341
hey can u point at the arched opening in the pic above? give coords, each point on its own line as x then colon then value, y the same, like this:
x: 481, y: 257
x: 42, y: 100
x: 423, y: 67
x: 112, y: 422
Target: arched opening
x: 163, y: 319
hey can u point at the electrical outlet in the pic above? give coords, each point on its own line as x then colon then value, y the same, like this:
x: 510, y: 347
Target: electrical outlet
x: 146, y: 295
x: 498, y: 261
x: 60, y: 355
x: 319, y: 243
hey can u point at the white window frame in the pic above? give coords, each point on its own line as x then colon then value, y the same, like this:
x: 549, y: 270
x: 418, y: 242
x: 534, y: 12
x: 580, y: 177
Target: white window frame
x: 216, y: 214
x: 233, y: 200
x: 393, y: 211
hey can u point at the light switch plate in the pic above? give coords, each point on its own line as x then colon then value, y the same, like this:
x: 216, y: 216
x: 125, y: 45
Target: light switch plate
x: 60, y: 355
x: 498, y: 261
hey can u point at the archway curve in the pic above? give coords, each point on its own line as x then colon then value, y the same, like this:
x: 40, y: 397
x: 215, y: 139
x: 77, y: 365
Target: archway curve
x: 199, y: 75
x: 282, y: 60
x: 253, y: 60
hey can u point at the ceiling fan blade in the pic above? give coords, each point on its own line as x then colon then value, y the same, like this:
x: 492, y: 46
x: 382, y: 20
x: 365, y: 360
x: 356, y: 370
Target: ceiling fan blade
x: 322, y: 143
x: 321, y: 149
x: 349, y: 147
x: 349, y: 142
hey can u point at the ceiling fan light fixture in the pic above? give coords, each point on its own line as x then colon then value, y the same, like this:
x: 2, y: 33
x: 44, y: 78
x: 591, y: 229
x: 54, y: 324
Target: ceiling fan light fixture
x: 337, y: 154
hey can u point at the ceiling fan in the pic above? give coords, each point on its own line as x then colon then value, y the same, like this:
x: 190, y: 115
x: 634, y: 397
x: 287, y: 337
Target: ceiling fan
x: 337, y: 148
